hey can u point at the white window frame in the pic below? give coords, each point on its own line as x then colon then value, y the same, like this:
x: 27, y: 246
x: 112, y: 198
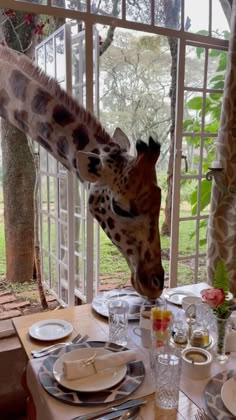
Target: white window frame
x: 184, y: 38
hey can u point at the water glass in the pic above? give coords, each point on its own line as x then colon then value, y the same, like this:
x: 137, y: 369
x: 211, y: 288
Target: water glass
x: 118, y: 311
x: 167, y: 376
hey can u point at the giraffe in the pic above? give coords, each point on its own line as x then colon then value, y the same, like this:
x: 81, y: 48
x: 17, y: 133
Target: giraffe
x: 123, y: 196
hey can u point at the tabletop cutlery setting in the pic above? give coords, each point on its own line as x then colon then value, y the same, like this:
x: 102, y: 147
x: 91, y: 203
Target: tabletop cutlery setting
x: 98, y: 379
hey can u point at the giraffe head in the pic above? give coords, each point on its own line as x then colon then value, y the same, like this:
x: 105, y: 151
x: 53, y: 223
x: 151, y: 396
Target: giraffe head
x: 125, y: 199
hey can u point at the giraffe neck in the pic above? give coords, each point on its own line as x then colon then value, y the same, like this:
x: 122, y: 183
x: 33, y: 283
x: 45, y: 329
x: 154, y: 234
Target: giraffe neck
x: 36, y: 104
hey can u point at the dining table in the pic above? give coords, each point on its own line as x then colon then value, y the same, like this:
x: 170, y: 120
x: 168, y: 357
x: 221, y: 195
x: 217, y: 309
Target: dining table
x: 44, y: 405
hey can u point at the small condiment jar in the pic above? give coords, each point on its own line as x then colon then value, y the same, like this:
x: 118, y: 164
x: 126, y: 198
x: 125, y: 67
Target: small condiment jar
x: 199, y: 337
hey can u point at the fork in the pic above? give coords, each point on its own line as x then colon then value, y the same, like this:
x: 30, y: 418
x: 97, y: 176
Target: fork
x: 78, y: 339
x: 202, y: 415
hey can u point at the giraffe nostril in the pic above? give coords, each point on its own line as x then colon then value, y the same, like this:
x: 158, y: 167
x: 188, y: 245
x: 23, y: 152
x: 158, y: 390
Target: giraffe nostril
x: 157, y: 283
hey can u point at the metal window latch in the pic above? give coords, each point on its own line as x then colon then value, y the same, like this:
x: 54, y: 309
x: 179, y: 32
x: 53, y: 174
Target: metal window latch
x: 184, y: 157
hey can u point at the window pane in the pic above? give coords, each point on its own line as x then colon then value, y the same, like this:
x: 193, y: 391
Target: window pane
x: 80, y: 5
x: 168, y: 14
x: 220, y: 26
x: 106, y: 7
x: 139, y: 11
x: 217, y: 61
x: 194, y: 66
x: 49, y: 67
x: 60, y: 57
x: 197, y: 16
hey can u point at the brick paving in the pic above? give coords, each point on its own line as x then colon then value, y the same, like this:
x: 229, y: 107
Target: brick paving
x: 17, y: 304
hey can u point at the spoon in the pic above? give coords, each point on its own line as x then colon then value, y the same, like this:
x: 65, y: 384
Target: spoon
x: 130, y: 414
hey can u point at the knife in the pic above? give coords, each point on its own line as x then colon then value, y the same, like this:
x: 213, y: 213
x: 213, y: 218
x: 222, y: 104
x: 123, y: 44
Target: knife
x: 114, y: 411
x: 114, y: 415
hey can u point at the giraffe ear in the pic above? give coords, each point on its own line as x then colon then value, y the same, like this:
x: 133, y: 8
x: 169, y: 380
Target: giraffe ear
x: 89, y: 166
x: 120, y: 138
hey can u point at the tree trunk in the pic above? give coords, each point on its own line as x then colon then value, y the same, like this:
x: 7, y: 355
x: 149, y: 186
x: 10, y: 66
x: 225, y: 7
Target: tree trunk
x: 172, y: 20
x: 18, y: 189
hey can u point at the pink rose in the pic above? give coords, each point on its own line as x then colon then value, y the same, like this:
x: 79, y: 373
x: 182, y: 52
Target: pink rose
x: 214, y: 297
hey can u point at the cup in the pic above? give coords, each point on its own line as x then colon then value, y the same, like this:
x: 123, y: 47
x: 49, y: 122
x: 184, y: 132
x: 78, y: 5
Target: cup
x: 118, y: 311
x: 168, y: 363
x: 161, y: 326
x: 196, y: 363
x: 144, y: 328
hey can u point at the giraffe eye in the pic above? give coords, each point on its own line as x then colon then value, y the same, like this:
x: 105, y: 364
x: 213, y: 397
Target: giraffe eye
x: 119, y: 211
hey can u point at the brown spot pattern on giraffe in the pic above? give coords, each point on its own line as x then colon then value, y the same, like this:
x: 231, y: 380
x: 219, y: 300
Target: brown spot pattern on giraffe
x: 21, y: 118
x: 19, y: 83
x: 117, y: 237
x: 4, y: 100
x: 44, y: 143
x: 80, y: 137
x: 40, y: 102
x: 44, y: 129
x: 110, y: 223
x: 63, y: 147
x: 62, y: 116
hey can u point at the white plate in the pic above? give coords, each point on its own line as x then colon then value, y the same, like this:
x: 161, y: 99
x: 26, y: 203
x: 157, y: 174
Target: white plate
x: 176, y: 297
x: 50, y: 329
x: 228, y: 395
x: 102, y: 380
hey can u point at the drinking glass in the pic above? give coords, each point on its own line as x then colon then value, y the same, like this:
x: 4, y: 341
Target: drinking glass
x: 118, y: 311
x: 167, y: 376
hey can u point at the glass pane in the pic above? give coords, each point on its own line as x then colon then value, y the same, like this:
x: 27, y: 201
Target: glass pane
x: 187, y: 230
x: 77, y: 198
x: 60, y: 57
x: 193, y: 104
x: 64, y: 254
x: 44, y: 192
x: 139, y: 11
x: 220, y: 25
x: 197, y: 16
x: 43, y: 159
x: 52, y: 164
x: 78, y: 227
x: 63, y: 194
x: 53, y: 238
x: 194, y: 66
x: 40, y: 57
x: 64, y: 294
x: 209, y: 152
x: 106, y: 7
x: 217, y: 61
x: 54, y: 278
x: 168, y: 14
x: 190, y: 147
x: 80, y: 5
x: 52, y: 196
x: 185, y: 273
x: 63, y: 240
x: 78, y: 271
x: 212, y: 112
x: 135, y: 76
x: 49, y: 67
x: 187, y: 195
x: 45, y: 232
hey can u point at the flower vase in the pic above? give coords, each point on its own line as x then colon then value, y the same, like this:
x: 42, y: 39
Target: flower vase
x: 221, y: 330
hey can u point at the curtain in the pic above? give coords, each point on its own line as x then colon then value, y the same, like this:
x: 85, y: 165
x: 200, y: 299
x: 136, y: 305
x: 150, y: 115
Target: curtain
x: 221, y: 233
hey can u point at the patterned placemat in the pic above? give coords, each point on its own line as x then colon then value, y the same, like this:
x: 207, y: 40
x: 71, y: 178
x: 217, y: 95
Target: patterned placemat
x: 132, y: 380
x: 213, y: 395
x: 100, y: 302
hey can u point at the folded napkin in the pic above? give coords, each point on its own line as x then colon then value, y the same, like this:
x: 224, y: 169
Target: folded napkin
x: 78, y: 369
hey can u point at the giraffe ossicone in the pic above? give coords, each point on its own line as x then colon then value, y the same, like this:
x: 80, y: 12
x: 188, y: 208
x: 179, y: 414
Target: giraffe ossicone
x: 124, y: 196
